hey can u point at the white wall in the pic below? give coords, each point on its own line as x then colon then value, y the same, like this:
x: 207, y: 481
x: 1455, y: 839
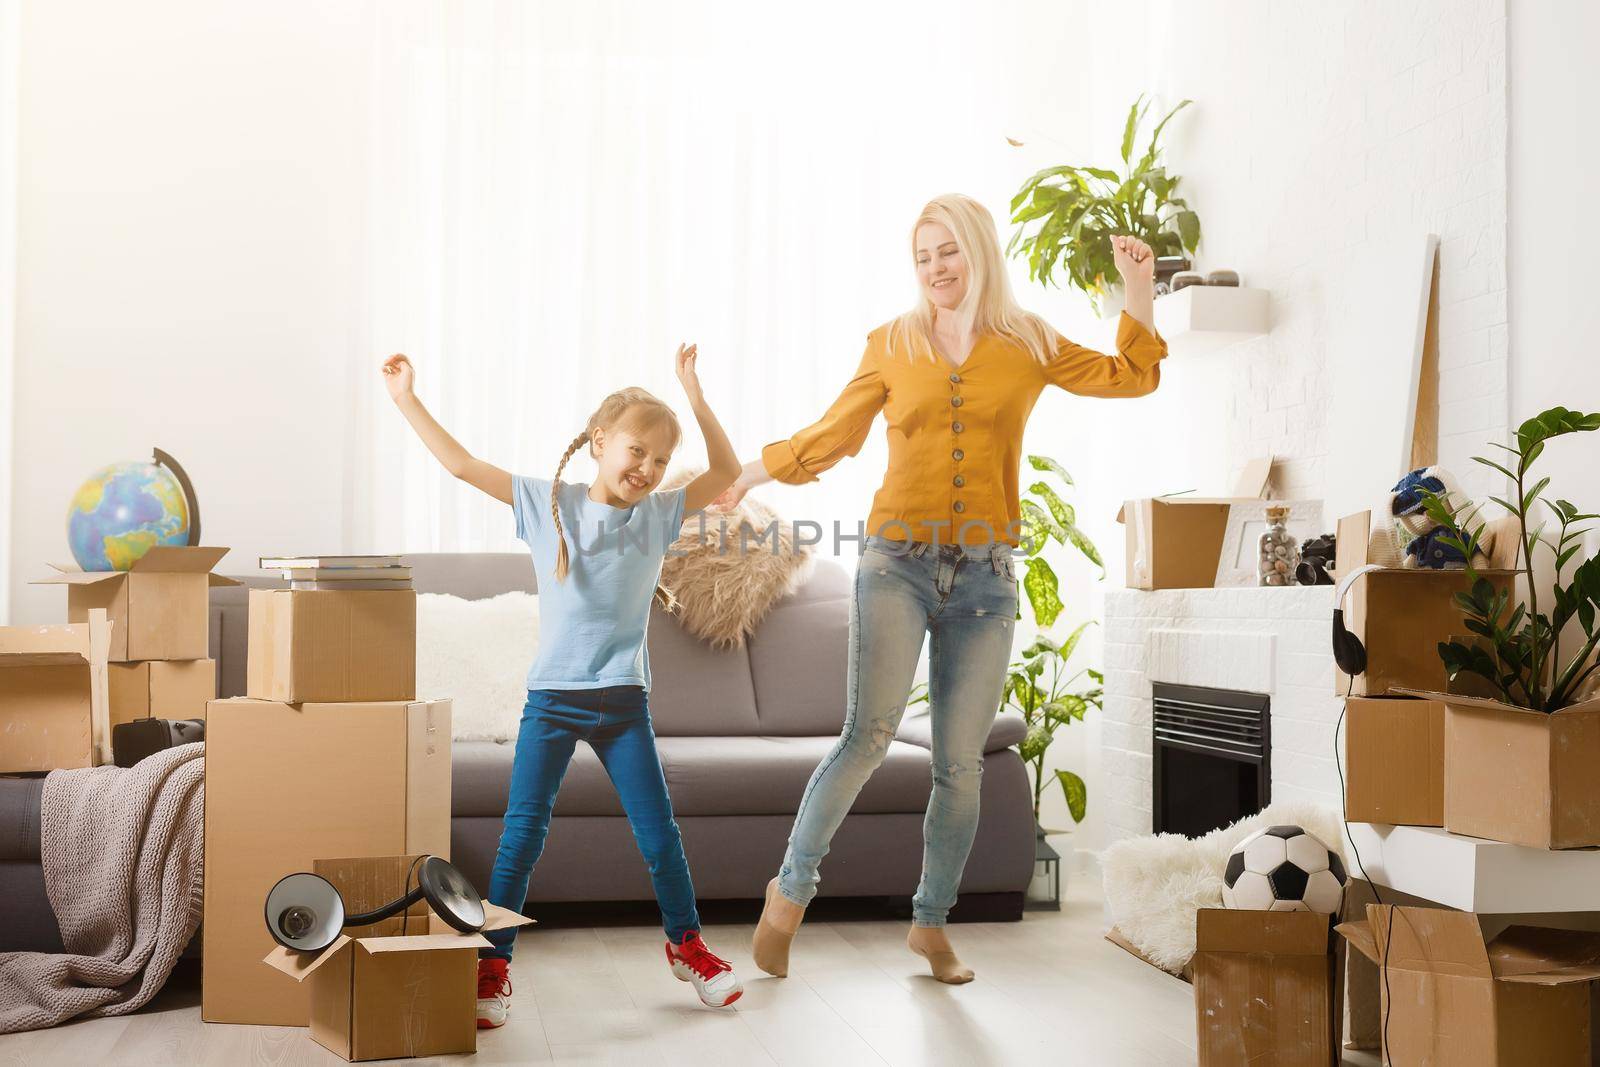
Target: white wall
x: 191, y: 197
x: 10, y: 12
x: 1554, y: 158
x: 1314, y: 126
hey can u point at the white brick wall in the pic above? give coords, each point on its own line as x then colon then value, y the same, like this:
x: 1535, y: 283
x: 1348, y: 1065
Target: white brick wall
x: 1324, y: 126
x: 1273, y: 641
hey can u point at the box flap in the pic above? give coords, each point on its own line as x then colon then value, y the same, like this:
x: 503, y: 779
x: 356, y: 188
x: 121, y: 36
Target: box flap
x: 1350, y: 542
x: 423, y: 942
x: 176, y: 559
x: 1430, y: 939
x: 71, y: 576
x: 40, y: 646
x: 299, y: 965
x: 497, y: 918
x: 1275, y: 933
x: 1541, y: 955
x: 218, y: 579
x: 1359, y: 934
x: 1489, y: 704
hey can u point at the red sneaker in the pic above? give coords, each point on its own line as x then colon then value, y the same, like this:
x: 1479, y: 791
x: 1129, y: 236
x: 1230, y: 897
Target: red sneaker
x: 712, y: 976
x: 494, y: 993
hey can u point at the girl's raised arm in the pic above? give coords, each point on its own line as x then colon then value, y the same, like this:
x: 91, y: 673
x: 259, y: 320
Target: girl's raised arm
x: 722, y: 461
x: 399, y: 376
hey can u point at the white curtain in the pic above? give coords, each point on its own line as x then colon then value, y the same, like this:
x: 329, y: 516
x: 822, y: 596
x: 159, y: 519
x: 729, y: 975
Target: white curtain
x: 10, y: 31
x: 561, y: 192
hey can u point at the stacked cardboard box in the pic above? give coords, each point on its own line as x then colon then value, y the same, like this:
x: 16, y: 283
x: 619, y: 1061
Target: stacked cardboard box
x: 329, y: 754
x: 53, y: 695
x: 160, y: 614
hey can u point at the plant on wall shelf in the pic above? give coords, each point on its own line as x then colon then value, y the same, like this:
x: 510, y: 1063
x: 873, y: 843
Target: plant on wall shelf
x: 1519, y: 653
x: 1074, y: 211
x: 1037, y: 684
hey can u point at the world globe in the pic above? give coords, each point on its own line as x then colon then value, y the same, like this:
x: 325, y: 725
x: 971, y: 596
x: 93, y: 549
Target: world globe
x: 125, y: 510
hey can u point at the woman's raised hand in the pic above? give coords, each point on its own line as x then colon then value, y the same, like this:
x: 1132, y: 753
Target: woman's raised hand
x: 1135, y: 260
x: 398, y: 375
x: 686, y: 371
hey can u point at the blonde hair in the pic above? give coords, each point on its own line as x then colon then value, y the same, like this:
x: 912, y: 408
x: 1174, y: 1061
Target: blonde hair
x: 988, y: 304
x: 636, y: 411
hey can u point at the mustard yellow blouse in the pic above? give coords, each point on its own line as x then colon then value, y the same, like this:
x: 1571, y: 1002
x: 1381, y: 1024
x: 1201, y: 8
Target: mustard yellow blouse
x: 955, y: 433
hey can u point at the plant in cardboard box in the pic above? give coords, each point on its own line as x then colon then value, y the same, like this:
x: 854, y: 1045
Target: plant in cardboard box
x: 1519, y: 760
x: 1078, y: 209
x: 1520, y: 654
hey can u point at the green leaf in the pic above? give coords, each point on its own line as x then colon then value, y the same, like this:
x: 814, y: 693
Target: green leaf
x: 1070, y: 645
x: 1034, y: 743
x: 1188, y: 224
x: 1081, y: 542
x: 1533, y: 494
x: 1045, y: 463
x: 1076, y: 792
x: 1044, y: 592
x: 1060, y: 510
x: 1492, y: 463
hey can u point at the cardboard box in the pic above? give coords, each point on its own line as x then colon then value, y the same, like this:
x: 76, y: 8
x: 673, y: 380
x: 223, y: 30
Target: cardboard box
x: 1524, y: 997
x: 1520, y: 776
x: 1394, y: 761
x: 159, y: 607
x: 1401, y: 614
x: 330, y: 645
x: 381, y: 992
x: 1267, y: 988
x: 161, y: 689
x: 287, y: 784
x: 53, y: 695
x: 1174, y: 543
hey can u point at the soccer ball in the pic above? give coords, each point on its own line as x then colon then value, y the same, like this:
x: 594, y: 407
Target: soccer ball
x: 1283, y: 868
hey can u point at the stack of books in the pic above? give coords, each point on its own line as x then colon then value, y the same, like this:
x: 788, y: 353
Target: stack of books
x: 344, y: 573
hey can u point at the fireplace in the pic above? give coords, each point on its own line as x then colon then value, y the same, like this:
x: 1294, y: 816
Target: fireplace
x: 1211, y: 757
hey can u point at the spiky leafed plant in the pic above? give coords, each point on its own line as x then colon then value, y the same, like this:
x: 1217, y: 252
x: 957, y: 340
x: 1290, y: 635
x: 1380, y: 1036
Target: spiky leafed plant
x: 1520, y: 651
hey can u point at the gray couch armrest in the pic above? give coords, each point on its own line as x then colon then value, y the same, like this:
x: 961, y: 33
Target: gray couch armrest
x: 1008, y: 730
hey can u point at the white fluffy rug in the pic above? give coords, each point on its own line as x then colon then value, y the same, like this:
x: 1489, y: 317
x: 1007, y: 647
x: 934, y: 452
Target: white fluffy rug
x: 476, y: 653
x: 1154, y: 885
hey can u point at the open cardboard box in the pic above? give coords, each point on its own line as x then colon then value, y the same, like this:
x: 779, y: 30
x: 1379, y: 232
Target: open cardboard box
x: 1175, y: 542
x: 1268, y: 988
x: 287, y: 784
x: 161, y: 688
x: 160, y: 607
x: 379, y: 992
x: 53, y: 705
x: 331, y: 645
x: 1521, y: 776
x: 1394, y: 761
x: 1402, y: 613
x: 1524, y: 997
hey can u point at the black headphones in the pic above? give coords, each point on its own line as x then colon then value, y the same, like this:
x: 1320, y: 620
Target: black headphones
x: 1348, y: 651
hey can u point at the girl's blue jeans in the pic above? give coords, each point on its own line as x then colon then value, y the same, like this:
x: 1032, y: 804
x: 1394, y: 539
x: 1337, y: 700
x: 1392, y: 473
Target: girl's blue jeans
x: 615, y: 720
x: 964, y: 598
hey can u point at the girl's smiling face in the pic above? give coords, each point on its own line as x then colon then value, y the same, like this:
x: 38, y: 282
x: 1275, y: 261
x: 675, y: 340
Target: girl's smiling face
x: 941, y: 269
x: 632, y: 463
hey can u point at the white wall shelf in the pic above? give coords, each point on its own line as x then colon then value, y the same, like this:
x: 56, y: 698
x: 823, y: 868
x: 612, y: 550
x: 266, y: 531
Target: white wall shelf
x: 1203, y: 317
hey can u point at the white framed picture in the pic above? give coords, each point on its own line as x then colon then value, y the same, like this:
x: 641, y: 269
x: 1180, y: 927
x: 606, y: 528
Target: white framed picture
x: 1247, y: 521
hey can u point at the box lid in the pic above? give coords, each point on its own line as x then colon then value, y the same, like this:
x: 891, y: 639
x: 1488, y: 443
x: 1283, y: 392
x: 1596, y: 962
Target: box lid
x: 1275, y: 933
x: 162, y: 559
x: 1540, y: 955
x: 1433, y: 940
x: 59, y: 643
x: 1490, y: 704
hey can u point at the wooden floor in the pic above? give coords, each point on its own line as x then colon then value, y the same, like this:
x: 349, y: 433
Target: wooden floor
x: 1049, y: 990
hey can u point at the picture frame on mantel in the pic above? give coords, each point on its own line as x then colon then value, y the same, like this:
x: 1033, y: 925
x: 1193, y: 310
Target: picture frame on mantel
x: 1247, y: 521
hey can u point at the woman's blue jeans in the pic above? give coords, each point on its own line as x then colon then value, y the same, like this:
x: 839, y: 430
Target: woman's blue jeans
x: 615, y: 720
x: 965, y: 599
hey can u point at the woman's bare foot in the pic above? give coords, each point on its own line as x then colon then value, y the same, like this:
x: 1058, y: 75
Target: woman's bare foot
x: 780, y: 920
x: 931, y: 944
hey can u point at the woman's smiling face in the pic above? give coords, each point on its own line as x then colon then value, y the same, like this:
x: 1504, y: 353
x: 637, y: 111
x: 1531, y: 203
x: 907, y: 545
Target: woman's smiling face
x: 941, y: 268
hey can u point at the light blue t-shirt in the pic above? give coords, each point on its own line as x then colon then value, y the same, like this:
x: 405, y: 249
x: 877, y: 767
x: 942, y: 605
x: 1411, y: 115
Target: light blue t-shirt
x: 592, y: 626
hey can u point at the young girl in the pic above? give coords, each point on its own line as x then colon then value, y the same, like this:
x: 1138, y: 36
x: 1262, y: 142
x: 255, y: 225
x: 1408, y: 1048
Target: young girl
x: 592, y: 675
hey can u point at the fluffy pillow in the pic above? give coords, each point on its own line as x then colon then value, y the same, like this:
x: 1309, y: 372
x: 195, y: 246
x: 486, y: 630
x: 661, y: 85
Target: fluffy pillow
x: 476, y: 653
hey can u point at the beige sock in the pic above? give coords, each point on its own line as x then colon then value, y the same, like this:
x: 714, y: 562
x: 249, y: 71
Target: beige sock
x: 932, y: 945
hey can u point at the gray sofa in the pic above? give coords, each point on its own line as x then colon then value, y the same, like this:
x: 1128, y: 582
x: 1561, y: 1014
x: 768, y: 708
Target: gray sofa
x: 739, y: 732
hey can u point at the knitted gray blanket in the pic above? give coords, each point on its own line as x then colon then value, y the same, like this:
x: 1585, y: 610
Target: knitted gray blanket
x: 121, y: 849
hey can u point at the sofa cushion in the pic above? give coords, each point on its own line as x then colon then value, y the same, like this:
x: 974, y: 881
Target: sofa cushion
x: 799, y: 657
x: 705, y: 775
x: 694, y: 689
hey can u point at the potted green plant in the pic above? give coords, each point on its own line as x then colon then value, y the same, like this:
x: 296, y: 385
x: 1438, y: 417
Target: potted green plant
x: 1038, y: 684
x: 1066, y: 214
x: 1519, y: 763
